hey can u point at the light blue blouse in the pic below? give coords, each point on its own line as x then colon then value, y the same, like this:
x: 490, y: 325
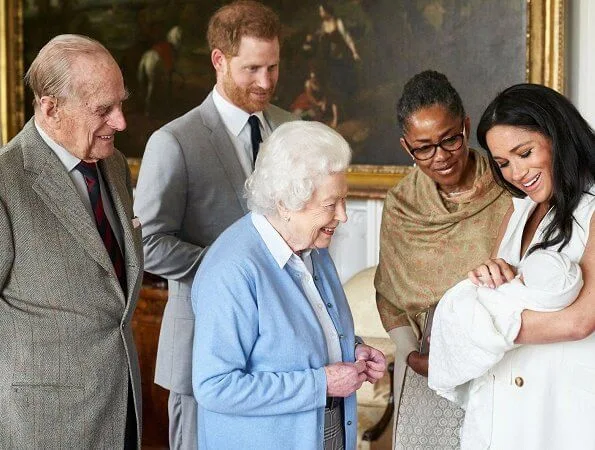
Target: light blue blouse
x: 259, y: 350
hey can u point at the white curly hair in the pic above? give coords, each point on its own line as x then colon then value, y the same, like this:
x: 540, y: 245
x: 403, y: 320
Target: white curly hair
x: 292, y: 163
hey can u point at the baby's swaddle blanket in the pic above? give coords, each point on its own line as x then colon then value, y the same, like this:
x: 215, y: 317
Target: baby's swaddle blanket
x: 474, y: 326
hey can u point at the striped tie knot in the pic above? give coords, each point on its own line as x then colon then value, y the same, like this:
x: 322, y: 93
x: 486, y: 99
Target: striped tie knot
x: 89, y: 171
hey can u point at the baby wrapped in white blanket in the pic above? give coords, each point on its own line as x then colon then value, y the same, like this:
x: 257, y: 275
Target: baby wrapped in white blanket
x: 474, y: 325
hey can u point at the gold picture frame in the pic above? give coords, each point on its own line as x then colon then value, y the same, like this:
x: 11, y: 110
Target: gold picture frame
x: 544, y: 65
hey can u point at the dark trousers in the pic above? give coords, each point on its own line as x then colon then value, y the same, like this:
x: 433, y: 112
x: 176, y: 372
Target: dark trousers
x: 130, y: 434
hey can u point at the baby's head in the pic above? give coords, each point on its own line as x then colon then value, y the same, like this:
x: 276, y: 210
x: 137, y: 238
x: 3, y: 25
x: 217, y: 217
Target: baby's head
x: 548, y: 270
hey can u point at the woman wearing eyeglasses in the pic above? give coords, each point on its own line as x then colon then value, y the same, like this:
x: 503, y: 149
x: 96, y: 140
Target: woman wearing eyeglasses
x: 439, y: 223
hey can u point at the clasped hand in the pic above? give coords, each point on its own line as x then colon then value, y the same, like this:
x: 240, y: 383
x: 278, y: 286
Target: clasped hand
x: 343, y: 379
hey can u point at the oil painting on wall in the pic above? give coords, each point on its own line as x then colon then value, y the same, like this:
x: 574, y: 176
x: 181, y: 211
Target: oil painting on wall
x: 343, y: 62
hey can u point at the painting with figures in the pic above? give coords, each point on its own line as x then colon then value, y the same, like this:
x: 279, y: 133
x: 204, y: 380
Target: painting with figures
x: 343, y: 62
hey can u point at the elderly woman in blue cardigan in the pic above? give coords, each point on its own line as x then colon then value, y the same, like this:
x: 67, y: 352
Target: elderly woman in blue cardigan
x: 276, y: 363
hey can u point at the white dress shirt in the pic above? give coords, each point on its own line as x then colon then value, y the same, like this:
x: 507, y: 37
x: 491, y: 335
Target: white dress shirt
x: 70, y: 162
x: 303, y: 266
x: 236, y: 123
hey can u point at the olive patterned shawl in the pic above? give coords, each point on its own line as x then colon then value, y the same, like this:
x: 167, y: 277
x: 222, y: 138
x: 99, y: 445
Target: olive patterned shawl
x: 428, y: 242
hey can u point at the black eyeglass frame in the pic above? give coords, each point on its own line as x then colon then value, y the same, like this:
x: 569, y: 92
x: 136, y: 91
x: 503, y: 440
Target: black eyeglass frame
x: 440, y: 144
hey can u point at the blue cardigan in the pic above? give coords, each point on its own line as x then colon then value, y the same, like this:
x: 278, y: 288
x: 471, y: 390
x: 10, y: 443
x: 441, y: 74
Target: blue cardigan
x: 259, y: 350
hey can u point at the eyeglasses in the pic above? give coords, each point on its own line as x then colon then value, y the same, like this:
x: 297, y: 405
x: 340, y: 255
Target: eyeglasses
x: 450, y: 144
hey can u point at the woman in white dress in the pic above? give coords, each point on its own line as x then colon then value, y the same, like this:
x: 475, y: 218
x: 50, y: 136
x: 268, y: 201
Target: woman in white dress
x: 543, y: 151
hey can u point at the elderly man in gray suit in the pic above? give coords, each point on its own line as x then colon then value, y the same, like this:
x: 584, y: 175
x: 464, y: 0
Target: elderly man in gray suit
x: 191, y: 183
x: 70, y: 261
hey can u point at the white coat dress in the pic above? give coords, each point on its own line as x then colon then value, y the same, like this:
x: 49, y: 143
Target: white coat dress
x: 544, y: 395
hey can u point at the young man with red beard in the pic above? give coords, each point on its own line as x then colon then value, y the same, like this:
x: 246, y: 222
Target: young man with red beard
x: 191, y: 182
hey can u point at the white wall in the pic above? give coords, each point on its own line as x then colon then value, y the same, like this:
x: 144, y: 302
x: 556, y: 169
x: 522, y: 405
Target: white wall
x: 580, y: 46
x: 355, y: 244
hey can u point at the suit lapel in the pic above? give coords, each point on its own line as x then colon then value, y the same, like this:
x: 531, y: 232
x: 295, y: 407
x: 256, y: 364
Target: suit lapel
x: 121, y: 204
x: 224, y: 148
x: 56, y: 190
x: 270, y: 117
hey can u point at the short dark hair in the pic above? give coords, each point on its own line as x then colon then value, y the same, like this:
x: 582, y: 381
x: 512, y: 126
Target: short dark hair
x: 538, y: 108
x: 232, y: 22
x: 426, y: 89
x: 327, y: 8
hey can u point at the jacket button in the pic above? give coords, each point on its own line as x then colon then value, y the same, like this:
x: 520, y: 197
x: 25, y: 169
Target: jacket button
x: 349, y: 422
x: 519, y: 381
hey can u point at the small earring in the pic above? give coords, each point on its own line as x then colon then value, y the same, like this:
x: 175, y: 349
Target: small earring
x: 286, y: 218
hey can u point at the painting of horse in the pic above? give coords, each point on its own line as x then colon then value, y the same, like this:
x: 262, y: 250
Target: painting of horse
x: 343, y: 62
x: 158, y: 64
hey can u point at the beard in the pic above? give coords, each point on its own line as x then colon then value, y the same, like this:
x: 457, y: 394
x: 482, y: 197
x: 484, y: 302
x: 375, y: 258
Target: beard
x: 241, y: 96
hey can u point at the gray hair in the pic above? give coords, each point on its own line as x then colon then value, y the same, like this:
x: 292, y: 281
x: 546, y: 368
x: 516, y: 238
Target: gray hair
x: 50, y: 72
x: 292, y: 163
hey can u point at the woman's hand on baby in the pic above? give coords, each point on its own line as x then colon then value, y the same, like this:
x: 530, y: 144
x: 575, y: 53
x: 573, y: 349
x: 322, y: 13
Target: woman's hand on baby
x: 492, y: 273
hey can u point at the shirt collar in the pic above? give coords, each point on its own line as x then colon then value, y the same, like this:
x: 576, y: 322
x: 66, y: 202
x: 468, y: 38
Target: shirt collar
x: 66, y: 158
x: 281, y: 252
x: 234, y: 118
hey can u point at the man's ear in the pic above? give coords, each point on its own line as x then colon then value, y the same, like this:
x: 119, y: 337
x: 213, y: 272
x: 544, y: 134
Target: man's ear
x: 48, y: 107
x: 219, y: 60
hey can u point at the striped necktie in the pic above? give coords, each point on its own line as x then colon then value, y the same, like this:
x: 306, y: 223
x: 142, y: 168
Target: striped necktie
x: 89, y: 172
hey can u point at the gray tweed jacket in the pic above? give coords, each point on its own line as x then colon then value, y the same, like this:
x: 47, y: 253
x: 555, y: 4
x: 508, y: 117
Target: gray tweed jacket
x: 67, y: 350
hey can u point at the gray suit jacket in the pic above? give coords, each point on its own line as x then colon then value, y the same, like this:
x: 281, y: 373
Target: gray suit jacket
x: 67, y: 349
x: 190, y: 189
